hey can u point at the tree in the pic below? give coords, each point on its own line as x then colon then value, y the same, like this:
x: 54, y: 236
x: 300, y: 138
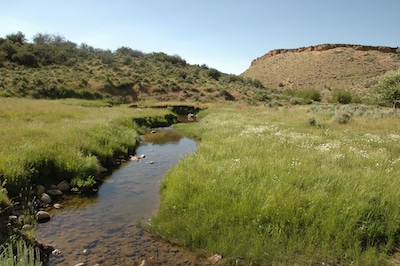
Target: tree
x: 42, y: 38
x: 124, y: 50
x: 387, y: 91
x: 18, y: 37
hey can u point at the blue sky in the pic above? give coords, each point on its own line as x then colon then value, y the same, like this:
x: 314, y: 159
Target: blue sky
x: 223, y: 34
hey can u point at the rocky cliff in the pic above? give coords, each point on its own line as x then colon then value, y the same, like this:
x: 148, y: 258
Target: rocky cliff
x: 325, y: 67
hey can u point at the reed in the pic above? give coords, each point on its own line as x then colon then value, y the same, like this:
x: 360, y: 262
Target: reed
x: 266, y: 187
x: 19, y: 253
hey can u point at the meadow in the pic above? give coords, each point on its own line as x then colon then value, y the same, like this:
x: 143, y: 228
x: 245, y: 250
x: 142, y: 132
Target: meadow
x: 46, y: 141
x: 287, y: 185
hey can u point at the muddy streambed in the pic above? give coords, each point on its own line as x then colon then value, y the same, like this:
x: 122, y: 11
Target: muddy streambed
x: 106, y: 228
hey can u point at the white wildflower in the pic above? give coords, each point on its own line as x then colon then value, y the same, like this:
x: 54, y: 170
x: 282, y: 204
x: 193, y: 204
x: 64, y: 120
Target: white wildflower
x: 393, y: 136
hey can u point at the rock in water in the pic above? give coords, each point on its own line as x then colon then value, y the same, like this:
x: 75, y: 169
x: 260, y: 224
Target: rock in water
x: 45, y: 198
x: 54, y: 192
x: 101, y: 169
x: 42, y: 216
x: 64, y: 186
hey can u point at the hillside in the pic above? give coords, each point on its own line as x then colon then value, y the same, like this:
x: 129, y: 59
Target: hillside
x: 52, y: 67
x: 324, y: 67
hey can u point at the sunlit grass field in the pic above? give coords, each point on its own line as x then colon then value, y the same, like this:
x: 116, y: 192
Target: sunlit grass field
x: 269, y: 187
x: 43, y: 141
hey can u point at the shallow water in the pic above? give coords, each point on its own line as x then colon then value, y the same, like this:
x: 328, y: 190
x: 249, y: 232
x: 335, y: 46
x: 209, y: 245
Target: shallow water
x: 103, y: 229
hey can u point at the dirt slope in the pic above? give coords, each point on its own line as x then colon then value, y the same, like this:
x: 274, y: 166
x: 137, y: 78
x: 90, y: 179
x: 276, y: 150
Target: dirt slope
x: 324, y: 67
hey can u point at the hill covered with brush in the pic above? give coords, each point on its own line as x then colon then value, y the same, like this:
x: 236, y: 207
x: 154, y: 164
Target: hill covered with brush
x: 52, y: 67
x: 325, y: 67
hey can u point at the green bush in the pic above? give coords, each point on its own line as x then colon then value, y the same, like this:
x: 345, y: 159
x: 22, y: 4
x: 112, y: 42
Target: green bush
x: 312, y: 94
x: 341, y: 96
x: 297, y: 101
x: 308, y: 95
x: 387, y: 91
x: 25, y: 58
x: 213, y: 73
x: 9, y: 49
x: 227, y: 96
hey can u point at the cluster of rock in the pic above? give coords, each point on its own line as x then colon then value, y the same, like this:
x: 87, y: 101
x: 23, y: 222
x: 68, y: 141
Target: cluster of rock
x: 43, y: 200
x: 46, y: 198
x: 325, y: 47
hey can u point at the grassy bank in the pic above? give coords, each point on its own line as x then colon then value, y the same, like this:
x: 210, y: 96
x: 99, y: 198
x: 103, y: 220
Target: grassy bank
x: 43, y: 141
x: 268, y: 186
x: 46, y: 141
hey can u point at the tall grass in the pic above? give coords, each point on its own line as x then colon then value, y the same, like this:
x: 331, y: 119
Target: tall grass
x: 44, y: 141
x: 265, y: 187
x: 18, y: 254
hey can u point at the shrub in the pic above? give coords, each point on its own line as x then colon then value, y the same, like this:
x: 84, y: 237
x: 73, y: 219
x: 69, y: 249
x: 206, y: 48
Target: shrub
x: 24, y: 58
x: 8, y: 48
x: 213, y: 73
x: 262, y: 96
x: 342, y: 117
x: 308, y: 95
x: 257, y: 83
x: 341, y: 96
x: 227, y: 96
x: 297, y: 101
x: 79, y: 183
x: 312, y: 94
x: 312, y: 121
x: 387, y: 91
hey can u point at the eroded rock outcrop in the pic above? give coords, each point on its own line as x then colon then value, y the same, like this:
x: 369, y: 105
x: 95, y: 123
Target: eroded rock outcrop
x: 325, y: 47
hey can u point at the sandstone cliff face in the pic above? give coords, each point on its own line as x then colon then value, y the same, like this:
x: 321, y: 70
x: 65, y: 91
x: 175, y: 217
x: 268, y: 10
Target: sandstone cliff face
x: 325, y: 47
x: 325, y: 67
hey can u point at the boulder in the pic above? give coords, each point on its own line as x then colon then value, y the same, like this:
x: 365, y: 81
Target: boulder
x: 40, y: 189
x: 215, y: 258
x: 134, y: 158
x: 56, y: 252
x: 101, y: 169
x: 42, y: 216
x: 13, y: 218
x: 45, y: 198
x: 54, y: 192
x: 64, y: 186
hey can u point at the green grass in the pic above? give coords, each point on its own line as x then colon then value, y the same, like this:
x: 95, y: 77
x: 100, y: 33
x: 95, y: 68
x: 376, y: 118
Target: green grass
x: 18, y: 254
x: 265, y: 187
x: 43, y: 141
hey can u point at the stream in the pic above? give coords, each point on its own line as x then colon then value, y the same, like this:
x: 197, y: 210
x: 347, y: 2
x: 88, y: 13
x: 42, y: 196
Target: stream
x: 107, y: 228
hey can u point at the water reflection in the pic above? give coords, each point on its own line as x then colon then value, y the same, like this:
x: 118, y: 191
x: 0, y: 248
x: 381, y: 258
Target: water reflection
x: 101, y: 223
x: 163, y: 136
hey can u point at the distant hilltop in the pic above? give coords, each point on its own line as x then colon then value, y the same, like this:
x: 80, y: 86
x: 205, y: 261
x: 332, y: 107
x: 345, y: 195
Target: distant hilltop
x: 325, y: 67
x: 325, y: 47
